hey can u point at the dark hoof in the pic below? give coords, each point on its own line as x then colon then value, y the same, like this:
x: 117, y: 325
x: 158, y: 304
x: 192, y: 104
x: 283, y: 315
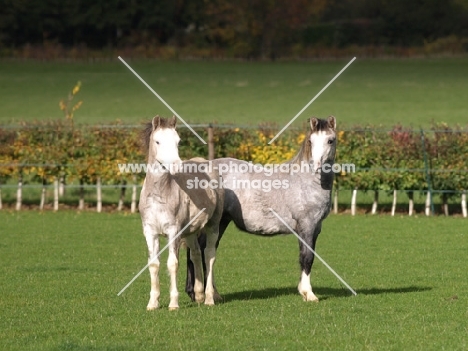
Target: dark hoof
x: 217, y: 297
x: 191, y: 294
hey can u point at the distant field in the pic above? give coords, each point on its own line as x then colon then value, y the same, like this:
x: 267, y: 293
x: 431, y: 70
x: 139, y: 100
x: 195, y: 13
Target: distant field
x: 61, y: 273
x: 412, y: 92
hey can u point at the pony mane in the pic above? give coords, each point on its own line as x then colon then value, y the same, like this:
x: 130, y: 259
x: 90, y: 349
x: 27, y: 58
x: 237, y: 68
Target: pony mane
x: 305, y: 152
x: 322, y: 125
x: 145, y: 136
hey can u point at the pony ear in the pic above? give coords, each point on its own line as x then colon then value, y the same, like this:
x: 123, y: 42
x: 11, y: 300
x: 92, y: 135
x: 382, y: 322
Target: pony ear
x: 156, y: 122
x: 173, y: 122
x: 313, y: 123
x: 331, y: 122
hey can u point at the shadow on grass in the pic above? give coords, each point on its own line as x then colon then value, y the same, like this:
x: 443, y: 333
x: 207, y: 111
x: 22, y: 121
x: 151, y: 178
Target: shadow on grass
x: 322, y: 293
x: 87, y: 346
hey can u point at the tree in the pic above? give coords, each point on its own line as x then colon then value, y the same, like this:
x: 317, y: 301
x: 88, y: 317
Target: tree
x: 259, y: 28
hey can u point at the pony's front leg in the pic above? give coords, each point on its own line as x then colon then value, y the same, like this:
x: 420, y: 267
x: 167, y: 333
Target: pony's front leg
x: 306, y: 259
x: 152, y: 241
x: 172, y: 266
x: 210, y: 257
x: 196, y: 258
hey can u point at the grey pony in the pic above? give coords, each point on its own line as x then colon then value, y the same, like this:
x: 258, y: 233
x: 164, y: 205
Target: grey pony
x: 303, y: 205
x: 169, y: 207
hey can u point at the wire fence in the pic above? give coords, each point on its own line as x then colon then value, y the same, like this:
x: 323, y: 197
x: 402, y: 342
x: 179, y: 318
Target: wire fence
x: 271, y: 125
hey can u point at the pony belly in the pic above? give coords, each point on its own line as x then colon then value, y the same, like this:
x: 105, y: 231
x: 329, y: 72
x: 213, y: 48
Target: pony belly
x: 266, y: 224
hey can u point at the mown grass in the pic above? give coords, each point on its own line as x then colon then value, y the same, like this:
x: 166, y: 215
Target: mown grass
x: 61, y: 273
x: 412, y: 92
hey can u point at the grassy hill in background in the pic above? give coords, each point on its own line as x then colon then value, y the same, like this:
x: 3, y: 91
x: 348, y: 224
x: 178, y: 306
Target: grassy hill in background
x: 413, y: 92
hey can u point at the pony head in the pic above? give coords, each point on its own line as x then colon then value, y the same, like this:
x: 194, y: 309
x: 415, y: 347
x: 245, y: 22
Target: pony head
x: 322, y: 140
x: 163, y: 143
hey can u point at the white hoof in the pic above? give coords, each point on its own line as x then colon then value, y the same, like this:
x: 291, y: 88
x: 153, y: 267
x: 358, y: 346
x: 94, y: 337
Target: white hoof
x: 307, y: 293
x: 209, y: 301
x: 199, y: 297
x: 309, y: 296
x: 173, y: 305
x: 174, y: 302
x: 151, y: 307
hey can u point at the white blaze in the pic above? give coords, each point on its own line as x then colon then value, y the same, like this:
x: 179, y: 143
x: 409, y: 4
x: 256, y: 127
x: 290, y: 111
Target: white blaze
x: 320, y: 148
x: 165, y: 143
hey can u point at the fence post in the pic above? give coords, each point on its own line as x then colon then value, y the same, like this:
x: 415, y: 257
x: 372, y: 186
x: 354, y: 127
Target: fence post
x: 211, y: 154
x: 394, y: 201
x: 335, y: 201
x: 411, y: 203
x: 375, y: 203
x: 19, y: 193
x: 463, y: 204
x: 426, y: 169
x: 353, y: 202
x: 98, y: 195
x: 56, y: 193
x: 134, y: 194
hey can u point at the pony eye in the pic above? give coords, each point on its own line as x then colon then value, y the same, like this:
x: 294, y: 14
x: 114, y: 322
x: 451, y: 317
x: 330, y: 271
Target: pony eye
x: 157, y: 142
x: 331, y: 141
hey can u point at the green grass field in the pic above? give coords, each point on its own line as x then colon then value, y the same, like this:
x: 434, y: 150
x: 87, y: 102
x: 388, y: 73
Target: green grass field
x: 412, y: 92
x: 61, y: 273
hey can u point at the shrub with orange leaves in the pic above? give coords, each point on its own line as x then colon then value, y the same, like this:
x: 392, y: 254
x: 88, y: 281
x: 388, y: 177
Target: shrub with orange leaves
x: 259, y: 151
x: 66, y: 104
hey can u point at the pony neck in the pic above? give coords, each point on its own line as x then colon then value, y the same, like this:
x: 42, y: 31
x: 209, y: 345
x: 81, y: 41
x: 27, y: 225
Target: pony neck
x: 326, y: 180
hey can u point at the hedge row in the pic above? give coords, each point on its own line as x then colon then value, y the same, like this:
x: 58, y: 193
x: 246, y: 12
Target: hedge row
x: 400, y: 158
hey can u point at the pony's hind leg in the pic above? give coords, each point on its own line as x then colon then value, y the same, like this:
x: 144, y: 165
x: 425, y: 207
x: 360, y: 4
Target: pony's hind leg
x: 172, y: 266
x: 306, y: 259
x: 210, y: 257
x: 190, y: 280
x: 196, y: 258
x: 152, y: 241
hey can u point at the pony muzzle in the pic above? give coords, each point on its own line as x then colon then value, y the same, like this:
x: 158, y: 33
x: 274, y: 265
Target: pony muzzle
x: 175, y: 167
x: 316, y: 166
x: 171, y: 167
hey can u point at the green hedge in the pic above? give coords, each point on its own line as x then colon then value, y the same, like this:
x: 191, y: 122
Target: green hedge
x: 400, y: 158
